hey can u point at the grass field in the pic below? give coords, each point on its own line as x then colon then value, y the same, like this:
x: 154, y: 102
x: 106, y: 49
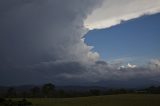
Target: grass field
x: 110, y: 100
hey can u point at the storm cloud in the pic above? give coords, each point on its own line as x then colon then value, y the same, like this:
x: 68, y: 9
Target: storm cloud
x: 34, y: 32
x: 43, y: 41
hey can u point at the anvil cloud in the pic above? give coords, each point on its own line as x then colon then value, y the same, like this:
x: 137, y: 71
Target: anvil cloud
x: 113, y: 12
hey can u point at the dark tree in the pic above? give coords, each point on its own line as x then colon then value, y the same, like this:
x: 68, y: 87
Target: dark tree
x: 35, y: 91
x: 61, y: 94
x: 48, y: 90
x: 11, y: 92
x: 95, y: 92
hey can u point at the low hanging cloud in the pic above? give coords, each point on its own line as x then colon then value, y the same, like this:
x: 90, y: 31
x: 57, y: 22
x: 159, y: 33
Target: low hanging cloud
x: 113, y: 12
x: 42, y: 41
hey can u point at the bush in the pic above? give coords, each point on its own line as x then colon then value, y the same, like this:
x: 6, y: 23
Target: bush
x: 2, y: 100
x: 24, y: 102
x: 9, y: 102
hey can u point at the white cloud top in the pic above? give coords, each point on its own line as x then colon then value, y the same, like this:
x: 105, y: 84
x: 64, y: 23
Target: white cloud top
x: 113, y: 12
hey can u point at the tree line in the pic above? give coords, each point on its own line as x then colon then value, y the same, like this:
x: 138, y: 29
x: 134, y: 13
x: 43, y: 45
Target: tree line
x: 49, y: 91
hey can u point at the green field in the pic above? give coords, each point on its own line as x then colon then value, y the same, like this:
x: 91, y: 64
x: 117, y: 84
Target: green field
x: 110, y: 100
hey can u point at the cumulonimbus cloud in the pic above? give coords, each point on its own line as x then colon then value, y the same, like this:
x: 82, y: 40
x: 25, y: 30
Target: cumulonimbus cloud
x: 42, y: 41
x: 113, y: 12
x: 34, y: 32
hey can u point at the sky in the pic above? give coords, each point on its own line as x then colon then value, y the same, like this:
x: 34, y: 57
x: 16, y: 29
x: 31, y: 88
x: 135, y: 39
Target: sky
x: 135, y: 41
x: 44, y: 41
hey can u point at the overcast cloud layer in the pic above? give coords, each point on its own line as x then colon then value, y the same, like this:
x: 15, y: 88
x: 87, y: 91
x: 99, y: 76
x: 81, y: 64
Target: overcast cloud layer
x: 113, y: 12
x: 41, y: 41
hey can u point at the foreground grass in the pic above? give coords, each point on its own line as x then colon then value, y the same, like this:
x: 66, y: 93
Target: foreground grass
x: 110, y: 100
